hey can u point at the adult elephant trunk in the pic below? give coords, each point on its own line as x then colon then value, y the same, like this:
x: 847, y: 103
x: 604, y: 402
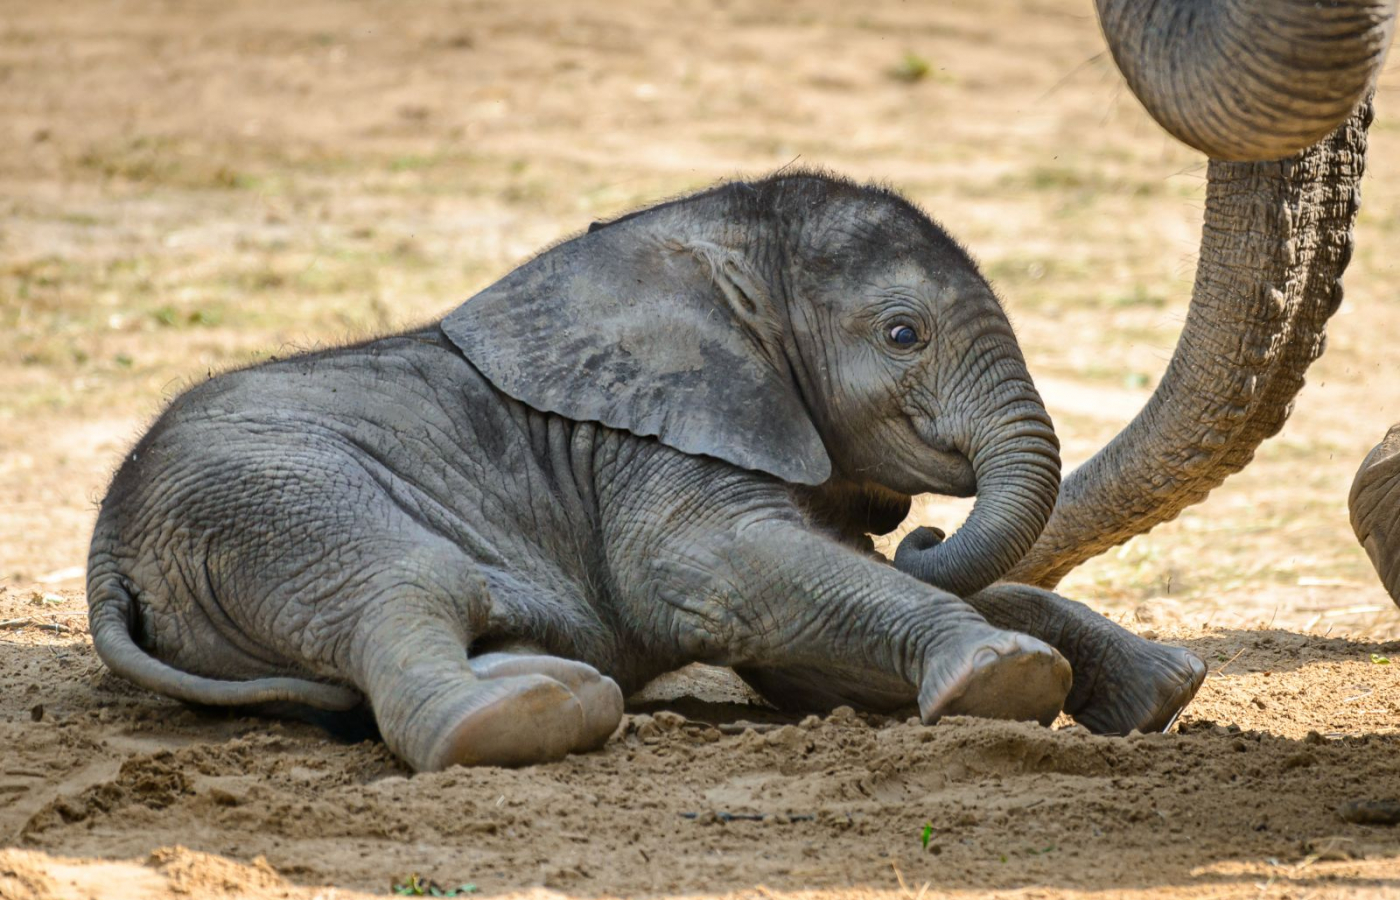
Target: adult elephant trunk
x: 1237, y: 80
x: 1247, y: 80
x: 1016, y: 458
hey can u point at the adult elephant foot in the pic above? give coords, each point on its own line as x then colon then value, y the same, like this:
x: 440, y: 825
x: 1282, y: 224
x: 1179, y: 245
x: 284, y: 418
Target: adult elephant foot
x: 1122, y: 682
x: 1374, y: 501
x: 998, y: 675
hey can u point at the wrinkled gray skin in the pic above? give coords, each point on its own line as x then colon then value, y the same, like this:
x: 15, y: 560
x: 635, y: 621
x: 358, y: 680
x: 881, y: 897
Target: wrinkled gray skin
x: 664, y: 441
x: 1374, y: 502
x: 1276, y: 94
x: 420, y: 518
x: 1278, y: 237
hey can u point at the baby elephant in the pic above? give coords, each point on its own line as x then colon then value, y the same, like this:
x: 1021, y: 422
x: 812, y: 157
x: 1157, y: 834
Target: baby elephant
x: 664, y: 441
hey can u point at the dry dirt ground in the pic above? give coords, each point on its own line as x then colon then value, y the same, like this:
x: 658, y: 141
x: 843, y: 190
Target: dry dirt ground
x: 188, y: 186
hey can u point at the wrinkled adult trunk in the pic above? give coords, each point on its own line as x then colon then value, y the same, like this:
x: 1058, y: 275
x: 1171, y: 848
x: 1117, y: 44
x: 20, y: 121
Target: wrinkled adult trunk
x: 1248, y: 79
x: 1276, y: 239
x: 1015, y: 455
x: 1239, y: 80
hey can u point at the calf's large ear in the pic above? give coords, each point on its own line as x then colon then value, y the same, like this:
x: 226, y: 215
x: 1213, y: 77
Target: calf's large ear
x: 662, y: 337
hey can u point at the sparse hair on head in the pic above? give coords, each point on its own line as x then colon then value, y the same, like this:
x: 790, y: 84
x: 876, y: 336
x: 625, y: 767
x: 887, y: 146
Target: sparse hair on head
x: 801, y: 190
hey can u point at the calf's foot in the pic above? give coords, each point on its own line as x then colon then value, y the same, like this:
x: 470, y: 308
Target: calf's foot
x: 598, y: 695
x: 438, y: 708
x: 1135, y: 684
x: 1122, y: 681
x: 996, y: 675
x: 508, y: 721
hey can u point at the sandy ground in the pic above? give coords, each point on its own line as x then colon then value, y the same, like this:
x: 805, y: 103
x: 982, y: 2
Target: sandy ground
x: 189, y: 186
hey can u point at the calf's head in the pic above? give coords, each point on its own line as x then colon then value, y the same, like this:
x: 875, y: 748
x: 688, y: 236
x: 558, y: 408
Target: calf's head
x: 800, y: 326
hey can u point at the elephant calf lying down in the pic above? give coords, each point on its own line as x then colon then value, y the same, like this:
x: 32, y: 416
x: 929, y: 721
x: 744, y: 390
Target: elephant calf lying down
x: 664, y: 441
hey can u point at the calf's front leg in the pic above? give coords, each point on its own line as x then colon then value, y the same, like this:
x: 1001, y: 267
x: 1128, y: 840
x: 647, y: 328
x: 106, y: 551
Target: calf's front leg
x: 735, y: 578
x: 1122, y: 682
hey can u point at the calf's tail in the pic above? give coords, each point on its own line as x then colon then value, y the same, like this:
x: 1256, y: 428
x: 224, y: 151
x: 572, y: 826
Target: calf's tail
x: 110, y: 615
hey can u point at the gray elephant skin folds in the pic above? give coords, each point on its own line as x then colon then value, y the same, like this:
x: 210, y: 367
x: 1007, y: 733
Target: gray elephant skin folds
x: 664, y: 441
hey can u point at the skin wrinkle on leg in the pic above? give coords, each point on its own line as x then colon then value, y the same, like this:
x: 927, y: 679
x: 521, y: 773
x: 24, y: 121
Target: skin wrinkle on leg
x: 388, y: 671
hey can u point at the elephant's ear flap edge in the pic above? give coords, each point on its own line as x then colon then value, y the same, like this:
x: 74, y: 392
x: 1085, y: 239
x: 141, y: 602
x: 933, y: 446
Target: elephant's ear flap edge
x: 670, y: 339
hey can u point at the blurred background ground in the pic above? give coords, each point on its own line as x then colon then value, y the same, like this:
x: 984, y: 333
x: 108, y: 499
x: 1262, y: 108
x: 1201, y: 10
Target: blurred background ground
x: 190, y: 186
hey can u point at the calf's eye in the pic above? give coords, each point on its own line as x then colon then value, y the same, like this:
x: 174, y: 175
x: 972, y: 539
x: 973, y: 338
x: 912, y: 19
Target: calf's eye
x: 903, y: 335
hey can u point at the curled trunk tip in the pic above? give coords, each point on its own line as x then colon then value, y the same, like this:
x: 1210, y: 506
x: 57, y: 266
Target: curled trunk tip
x: 1018, y: 479
x: 1244, y: 81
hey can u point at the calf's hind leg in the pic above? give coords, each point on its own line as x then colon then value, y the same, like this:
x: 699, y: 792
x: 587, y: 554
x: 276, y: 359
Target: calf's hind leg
x: 1122, y: 681
x: 437, y: 708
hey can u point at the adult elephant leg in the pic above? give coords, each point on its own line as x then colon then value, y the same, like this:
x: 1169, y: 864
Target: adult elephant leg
x: 435, y: 710
x: 1374, y: 503
x: 1122, y: 681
